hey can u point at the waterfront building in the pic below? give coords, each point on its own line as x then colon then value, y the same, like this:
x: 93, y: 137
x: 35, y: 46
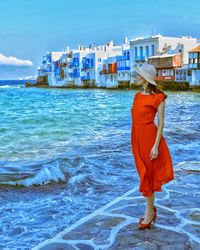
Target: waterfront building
x: 143, y: 48
x: 115, y: 71
x: 111, y: 65
x: 194, y: 65
x: 109, y: 73
x: 166, y: 65
x: 123, y: 69
x: 48, y: 67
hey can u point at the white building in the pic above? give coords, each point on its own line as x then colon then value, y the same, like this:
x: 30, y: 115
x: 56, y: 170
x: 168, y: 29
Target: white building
x: 143, y: 48
x: 109, y: 73
x: 117, y: 60
x: 48, y: 66
x: 123, y: 68
x: 194, y: 65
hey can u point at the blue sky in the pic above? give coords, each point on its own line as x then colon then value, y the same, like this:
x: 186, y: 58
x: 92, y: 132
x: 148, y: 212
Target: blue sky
x: 29, y: 28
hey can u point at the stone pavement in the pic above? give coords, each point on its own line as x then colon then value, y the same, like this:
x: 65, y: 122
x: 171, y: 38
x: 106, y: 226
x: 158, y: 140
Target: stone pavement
x: 114, y: 226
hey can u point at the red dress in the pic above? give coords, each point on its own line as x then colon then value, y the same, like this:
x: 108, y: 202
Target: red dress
x: 153, y: 173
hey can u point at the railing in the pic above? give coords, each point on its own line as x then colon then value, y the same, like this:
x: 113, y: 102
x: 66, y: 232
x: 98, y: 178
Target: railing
x: 122, y: 58
x: 163, y: 78
x: 194, y: 66
x: 75, y: 62
x: 74, y: 74
x: 123, y: 68
x: 140, y: 58
x: 88, y: 62
x: 85, y: 78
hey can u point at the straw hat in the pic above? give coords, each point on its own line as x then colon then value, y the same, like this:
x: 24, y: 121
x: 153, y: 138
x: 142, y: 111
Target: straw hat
x: 148, y: 72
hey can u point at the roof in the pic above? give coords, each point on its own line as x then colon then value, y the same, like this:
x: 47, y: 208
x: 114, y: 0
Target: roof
x: 196, y: 49
x: 164, y: 55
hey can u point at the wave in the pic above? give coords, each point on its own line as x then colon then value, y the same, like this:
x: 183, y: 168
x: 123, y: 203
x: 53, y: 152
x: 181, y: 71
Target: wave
x: 75, y: 171
x: 11, y: 86
x: 47, y: 173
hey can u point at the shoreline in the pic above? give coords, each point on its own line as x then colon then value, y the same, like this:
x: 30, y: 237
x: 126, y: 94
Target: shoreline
x: 174, y: 87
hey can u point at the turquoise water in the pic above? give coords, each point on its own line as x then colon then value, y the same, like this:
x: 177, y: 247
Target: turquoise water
x: 65, y: 153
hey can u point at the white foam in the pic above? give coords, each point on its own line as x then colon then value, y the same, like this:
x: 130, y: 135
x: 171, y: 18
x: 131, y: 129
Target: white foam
x: 10, y: 86
x: 48, y: 173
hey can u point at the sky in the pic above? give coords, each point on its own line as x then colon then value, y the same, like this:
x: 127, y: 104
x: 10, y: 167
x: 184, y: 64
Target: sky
x: 30, y: 28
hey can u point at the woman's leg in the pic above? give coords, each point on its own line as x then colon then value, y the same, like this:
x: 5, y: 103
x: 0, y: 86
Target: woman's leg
x: 149, y: 212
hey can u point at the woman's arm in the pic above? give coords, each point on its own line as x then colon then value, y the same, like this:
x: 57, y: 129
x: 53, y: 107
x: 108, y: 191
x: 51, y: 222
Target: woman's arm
x: 161, y: 111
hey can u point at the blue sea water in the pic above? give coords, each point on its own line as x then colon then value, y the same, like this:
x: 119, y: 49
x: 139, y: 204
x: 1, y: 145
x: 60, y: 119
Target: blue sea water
x: 66, y: 152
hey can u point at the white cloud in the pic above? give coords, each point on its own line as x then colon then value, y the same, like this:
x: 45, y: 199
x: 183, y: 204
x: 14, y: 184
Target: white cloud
x: 10, y: 60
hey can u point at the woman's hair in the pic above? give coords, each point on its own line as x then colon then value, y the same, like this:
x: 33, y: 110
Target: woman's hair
x: 154, y: 89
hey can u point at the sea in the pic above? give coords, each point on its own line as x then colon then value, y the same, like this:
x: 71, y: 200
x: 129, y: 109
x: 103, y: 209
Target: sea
x: 66, y: 152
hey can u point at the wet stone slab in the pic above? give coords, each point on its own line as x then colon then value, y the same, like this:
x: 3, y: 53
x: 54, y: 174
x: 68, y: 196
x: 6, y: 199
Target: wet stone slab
x: 58, y: 246
x: 132, y: 210
x: 129, y: 237
x: 98, y: 229
x: 178, y: 201
x: 114, y: 226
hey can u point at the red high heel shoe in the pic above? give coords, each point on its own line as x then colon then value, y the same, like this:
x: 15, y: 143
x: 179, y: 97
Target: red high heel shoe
x: 143, y: 226
x: 142, y: 218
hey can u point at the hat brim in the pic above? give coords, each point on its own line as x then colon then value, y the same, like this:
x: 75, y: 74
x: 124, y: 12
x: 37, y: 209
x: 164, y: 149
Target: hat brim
x: 145, y: 75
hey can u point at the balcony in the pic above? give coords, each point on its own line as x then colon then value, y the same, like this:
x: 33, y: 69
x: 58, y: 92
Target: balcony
x: 75, y: 62
x: 85, y: 78
x: 123, y: 68
x: 140, y: 58
x: 165, y: 78
x: 88, y: 62
x: 112, y: 68
x: 74, y: 74
x: 123, y: 58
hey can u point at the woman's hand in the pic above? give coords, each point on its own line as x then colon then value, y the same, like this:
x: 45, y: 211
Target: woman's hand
x: 154, y: 152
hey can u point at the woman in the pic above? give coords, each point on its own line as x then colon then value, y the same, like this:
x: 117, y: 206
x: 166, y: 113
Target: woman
x: 151, y: 154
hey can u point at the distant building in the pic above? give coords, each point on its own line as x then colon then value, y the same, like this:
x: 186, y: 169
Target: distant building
x: 46, y: 70
x: 111, y: 65
x: 109, y: 73
x: 116, y: 67
x: 166, y: 65
x: 123, y: 69
x: 194, y: 65
x: 157, y: 46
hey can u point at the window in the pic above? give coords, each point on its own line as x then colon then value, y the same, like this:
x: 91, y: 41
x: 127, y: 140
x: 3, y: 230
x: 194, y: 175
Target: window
x: 147, y: 51
x: 141, y: 51
x: 99, y: 59
x: 153, y: 49
x: 136, y: 52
